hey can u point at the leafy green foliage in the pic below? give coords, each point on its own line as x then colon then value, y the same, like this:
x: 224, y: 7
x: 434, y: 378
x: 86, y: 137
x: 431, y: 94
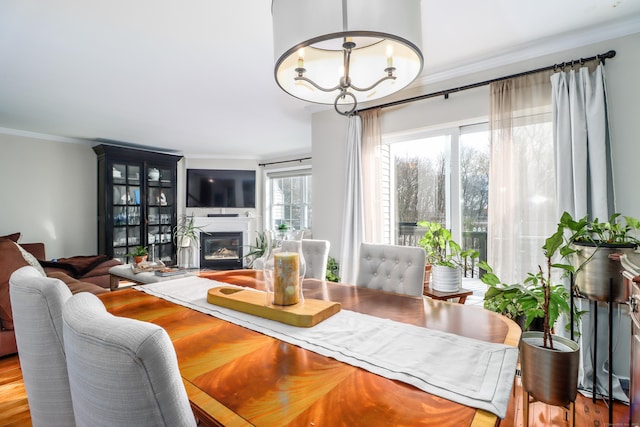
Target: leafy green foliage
x: 612, y: 231
x: 526, y: 299
x: 257, y: 250
x: 138, y: 251
x: 333, y: 270
x: 441, y: 249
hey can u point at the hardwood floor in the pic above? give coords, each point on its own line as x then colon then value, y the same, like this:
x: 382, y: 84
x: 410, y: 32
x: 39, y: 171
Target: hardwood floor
x: 14, y: 410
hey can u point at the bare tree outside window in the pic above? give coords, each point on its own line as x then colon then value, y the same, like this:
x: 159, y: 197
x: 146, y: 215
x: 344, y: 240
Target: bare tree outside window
x: 421, y: 178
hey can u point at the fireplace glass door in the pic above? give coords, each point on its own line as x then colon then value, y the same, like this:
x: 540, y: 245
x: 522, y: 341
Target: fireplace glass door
x: 221, y: 251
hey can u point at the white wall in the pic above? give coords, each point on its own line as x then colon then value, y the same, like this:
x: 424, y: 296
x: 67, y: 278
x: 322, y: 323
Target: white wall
x: 48, y: 193
x: 623, y: 85
x: 242, y: 164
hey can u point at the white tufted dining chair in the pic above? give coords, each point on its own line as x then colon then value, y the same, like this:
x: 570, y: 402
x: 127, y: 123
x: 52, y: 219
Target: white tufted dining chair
x: 392, y: 268
x: 122, y: 372
x: 316, y: 255
x: 37, y: 304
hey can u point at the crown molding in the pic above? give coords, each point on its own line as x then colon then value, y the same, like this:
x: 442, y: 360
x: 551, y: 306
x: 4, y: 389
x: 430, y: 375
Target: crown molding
x: 528, y: 51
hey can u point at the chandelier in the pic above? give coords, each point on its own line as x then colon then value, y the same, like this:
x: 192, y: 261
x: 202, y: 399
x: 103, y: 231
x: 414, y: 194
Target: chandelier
x: 343, y: 52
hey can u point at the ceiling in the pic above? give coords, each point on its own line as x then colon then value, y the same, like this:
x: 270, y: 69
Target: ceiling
x: 196, y: 76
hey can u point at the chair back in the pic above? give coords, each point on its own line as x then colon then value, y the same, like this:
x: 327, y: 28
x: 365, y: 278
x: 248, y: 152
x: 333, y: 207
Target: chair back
x: 316, y: 255
x: 392, y: 268
x: 37, y: 303
x: 122, y: 372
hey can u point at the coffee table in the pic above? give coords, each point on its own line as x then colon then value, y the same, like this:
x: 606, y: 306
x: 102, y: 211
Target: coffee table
x: 125, y: 272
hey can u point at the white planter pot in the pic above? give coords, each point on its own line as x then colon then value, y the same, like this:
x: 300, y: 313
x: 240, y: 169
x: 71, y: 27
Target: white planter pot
x: 185, y: 242
x: 446, y: 279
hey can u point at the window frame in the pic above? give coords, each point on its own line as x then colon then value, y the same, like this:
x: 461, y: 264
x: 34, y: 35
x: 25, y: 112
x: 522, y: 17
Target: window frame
x: 286, y: 172
x: 453, y: 189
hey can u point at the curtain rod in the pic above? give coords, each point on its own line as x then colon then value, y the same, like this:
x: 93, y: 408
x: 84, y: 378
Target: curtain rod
x: 445, y: 93
x: 285, y: 161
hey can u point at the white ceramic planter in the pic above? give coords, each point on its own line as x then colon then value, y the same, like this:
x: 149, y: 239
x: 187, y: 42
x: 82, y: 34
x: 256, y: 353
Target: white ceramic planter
x: 446, y: 279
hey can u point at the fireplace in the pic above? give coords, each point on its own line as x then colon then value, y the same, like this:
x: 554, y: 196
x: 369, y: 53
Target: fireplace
x: 221, y: 250
x: 222, y: 226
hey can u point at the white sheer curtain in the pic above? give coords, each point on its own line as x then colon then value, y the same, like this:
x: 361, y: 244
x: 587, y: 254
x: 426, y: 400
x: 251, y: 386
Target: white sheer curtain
x: 522, y: 196
x: 372, y: 175
x: 585, y: 188
x: 353, y: 214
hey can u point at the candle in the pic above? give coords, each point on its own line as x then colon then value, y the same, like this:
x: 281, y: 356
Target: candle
x: 389, y: 56
x: 301, y: 57
x: 286, y: 288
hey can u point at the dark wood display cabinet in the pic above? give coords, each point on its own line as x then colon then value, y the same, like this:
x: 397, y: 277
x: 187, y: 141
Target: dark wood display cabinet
x: 136, y: 202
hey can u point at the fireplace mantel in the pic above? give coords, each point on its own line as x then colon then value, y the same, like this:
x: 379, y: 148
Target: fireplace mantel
x: 242, y: 224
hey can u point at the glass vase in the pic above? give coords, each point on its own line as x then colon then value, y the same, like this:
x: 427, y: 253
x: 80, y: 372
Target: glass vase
x: 284, y: 270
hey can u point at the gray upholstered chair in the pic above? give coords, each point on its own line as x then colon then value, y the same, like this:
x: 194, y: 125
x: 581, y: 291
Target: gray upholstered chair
x: 122, y: 372
x: 37, y: 303
x: 391, y: 268
x: 316, y: 255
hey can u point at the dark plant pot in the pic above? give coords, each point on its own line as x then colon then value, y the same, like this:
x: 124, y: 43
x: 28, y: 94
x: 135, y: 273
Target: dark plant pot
x: 550, y: 376
x: 593, y: 279
x: 536, y: 325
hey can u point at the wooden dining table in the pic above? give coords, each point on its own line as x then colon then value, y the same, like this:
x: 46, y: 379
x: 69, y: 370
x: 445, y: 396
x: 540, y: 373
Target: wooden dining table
x: 238, y: 377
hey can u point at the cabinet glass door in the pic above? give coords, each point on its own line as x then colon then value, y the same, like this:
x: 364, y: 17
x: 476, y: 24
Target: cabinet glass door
x: 161, y: 205
x: 127, y: 211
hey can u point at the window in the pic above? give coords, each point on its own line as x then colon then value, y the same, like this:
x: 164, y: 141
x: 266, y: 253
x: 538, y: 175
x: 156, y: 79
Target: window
x: 441, y: 177
x: 288, y: 199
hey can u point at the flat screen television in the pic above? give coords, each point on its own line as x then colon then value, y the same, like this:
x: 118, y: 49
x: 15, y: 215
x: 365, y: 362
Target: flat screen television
x: 221, y: 188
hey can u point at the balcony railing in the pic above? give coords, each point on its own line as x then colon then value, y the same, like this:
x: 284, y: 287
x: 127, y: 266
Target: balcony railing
x: 409, y: 234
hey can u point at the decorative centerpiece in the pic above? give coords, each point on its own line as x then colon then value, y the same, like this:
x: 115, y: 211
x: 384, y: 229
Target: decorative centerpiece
x: 286, y: 285
x: 283, y: 268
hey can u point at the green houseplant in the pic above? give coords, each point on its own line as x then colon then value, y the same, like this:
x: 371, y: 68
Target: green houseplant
x: 592, y: 244
x: 139, y: 254
x: 257, y: 250
x: 549, y: 362
x: 186, y: 236
x: 444, y: 256
x: 333, y: 270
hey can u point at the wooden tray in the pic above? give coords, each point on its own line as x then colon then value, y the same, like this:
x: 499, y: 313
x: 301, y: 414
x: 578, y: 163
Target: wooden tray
x: 306, y: 314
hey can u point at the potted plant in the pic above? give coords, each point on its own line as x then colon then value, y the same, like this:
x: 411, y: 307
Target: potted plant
x: 186, y: 236
x: 445, y: 257
x: 333, y: 270
x: 139, y: 254
x: 549, y: 363
x: 257, y: 250
x: 592, y: 243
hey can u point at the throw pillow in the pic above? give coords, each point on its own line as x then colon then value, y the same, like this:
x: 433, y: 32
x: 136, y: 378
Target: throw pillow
x: 31, y: 260
x: 10, y: 260
x: 13, y: 237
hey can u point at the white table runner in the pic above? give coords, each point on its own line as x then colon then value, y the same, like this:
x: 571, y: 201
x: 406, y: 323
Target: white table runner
x: 468, y: 371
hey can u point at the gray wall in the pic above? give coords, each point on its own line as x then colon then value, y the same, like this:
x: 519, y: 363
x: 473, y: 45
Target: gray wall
x: 623, y: 85
x: 48, y: 193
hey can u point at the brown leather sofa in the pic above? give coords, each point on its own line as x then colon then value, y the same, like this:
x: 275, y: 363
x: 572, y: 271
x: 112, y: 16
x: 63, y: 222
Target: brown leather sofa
x: 91, y: 275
